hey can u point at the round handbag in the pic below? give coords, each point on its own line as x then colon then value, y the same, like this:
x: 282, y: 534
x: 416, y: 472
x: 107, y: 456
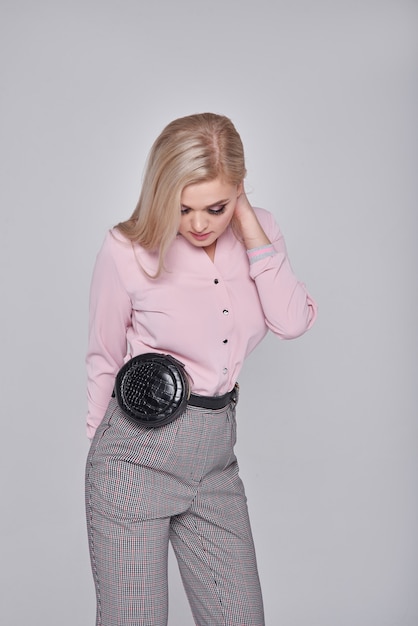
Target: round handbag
x: 152, y: 389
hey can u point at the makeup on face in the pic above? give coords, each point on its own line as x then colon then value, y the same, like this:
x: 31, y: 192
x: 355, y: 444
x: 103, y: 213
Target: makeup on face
x: 206, y: 211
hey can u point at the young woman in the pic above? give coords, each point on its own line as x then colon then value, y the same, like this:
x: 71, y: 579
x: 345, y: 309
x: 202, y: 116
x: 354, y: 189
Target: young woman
x: 199, y: 274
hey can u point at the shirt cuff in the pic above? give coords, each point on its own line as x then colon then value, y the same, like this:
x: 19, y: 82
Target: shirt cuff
x: 256, y: 254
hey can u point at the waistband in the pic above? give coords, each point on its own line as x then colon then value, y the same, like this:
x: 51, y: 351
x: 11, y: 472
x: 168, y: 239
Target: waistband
x: 214, y: 402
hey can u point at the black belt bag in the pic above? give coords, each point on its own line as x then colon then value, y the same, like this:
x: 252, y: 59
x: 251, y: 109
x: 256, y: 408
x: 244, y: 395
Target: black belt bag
x: 154, y: 389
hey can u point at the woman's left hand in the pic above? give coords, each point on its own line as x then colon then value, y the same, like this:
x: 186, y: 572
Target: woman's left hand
x: 248, y: 224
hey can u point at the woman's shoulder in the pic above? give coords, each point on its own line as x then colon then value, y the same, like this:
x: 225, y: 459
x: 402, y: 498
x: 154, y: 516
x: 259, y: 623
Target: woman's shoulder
x: 263, y: 214
x: 267, y: 220
x: 114, y: 237
x: 116, y: 250
x: 116, y: 244
x: 128, y: 256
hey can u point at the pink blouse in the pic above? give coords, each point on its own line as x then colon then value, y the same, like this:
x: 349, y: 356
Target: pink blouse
x: 209, y: 315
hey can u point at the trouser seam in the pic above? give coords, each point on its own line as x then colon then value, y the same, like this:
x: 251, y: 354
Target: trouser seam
x: 91, y: 533
x: 211, y: 570
x: 93, y: 557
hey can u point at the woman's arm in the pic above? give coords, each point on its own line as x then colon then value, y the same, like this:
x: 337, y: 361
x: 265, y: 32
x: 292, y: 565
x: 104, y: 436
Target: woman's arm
x: 288, y: 308
x: 110, y: 316
x: 250, y: 229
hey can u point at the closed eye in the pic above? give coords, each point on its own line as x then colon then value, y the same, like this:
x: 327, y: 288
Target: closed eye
x: 217, y: 211
x: 214, y: 209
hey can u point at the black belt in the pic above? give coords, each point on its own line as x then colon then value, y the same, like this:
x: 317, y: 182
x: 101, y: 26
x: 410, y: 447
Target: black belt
x: 214, y: 402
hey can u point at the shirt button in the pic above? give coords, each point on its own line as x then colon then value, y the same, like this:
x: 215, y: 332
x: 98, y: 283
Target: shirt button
x: 216, y: 281
x: 225, y: 341
x: 225, y: 312
x: 225, y: 370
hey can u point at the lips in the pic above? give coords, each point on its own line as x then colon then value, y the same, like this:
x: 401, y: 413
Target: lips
x: 200, y: 236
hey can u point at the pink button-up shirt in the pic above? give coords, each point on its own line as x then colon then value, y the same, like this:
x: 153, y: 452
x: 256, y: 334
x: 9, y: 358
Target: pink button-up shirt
x: 209, y: 315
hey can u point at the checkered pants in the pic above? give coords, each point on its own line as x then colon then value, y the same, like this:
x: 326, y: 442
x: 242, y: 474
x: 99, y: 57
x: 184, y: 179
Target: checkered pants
x: 178, y: 483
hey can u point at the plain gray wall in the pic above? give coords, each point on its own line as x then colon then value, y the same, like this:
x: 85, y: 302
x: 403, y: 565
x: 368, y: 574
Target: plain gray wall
x: 324, y: 95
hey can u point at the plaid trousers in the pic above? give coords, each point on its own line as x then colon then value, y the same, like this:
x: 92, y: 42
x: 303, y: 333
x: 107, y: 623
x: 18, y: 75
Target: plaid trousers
x: 179, y: 483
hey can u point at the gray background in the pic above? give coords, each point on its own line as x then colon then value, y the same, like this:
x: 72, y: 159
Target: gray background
x: 325, y: 97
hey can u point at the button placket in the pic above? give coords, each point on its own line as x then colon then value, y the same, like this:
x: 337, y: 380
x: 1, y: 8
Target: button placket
x: 226, y: 313
x: 225, y: 341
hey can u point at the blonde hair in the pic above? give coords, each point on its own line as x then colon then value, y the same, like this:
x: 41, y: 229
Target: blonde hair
x: 193, y: 149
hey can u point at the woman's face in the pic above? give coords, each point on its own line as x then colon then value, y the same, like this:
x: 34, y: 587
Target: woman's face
x: 206, y: 211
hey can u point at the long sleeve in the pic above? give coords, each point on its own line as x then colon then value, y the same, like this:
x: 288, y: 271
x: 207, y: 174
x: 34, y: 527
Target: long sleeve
x: 110, y: 316
x: 288, y: 308
x: 208, y: 315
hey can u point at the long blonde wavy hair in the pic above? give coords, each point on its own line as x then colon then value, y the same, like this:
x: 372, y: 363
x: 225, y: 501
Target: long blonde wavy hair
x: 192, y: 149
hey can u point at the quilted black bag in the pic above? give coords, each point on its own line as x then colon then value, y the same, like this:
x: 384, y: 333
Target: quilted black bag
x: 152, y: 389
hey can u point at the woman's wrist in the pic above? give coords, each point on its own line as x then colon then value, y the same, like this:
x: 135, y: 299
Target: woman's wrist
x: 251, y: 230
x: 260, y: 252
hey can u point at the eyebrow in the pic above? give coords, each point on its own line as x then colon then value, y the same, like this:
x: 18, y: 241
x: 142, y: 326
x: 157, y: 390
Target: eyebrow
x: 210, y: 206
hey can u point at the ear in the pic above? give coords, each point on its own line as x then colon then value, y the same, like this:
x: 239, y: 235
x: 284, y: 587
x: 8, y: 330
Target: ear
x: 240, y: 188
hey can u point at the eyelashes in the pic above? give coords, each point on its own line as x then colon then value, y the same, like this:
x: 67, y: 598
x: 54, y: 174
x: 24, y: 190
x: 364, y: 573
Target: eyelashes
x: 217, y: 211
x: 213, y: 211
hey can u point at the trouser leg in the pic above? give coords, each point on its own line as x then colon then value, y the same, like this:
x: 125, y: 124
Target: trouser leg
x: 214, y: 547
x: 129, y: 562
x: 182, y: 480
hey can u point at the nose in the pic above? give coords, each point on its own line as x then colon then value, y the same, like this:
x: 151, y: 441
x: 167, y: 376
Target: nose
x: 199, y: 221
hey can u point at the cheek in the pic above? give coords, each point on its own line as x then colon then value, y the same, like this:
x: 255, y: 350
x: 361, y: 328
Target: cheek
x: 224, y: 221
x: 182, y: 224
